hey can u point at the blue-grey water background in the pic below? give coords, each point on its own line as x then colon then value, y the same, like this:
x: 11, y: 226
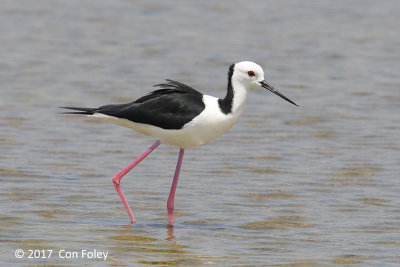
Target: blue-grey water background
x: 315, y: 185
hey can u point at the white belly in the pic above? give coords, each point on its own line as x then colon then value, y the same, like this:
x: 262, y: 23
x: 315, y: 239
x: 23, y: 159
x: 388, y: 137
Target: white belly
x: 207, y: 126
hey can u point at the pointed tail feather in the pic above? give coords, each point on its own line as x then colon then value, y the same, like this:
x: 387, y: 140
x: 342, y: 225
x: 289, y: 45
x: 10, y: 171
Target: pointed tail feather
x: 78, y: 110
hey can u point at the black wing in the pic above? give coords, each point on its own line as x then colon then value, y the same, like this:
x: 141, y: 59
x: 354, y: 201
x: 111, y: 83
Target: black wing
x: 170, y: 107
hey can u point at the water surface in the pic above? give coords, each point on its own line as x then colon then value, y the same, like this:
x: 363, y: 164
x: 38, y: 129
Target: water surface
x: 316, y: 185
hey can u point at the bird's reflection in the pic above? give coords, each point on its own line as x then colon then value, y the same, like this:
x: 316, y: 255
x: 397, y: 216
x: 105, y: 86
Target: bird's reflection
x: 170, y: 232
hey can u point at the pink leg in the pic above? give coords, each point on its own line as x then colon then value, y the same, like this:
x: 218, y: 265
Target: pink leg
x: 170, y: 202
x: 117, y: 178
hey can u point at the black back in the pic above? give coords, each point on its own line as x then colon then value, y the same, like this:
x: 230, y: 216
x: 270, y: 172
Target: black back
x: 170, y: 107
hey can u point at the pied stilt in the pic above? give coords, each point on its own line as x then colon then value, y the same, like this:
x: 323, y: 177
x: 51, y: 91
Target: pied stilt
x: 176, y: 114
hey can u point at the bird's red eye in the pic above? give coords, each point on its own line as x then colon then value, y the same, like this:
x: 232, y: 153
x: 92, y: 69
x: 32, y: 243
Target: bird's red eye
x: 251, y: 73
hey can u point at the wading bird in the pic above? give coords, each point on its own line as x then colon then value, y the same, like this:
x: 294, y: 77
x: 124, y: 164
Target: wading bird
x: 178, y: 115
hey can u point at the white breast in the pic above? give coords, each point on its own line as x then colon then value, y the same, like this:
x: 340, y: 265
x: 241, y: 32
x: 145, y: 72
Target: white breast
x: 211, y: 123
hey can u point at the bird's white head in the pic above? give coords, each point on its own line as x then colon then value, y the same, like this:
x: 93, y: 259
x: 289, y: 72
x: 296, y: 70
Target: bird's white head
x: 251, y: 75
x: 248, y: 74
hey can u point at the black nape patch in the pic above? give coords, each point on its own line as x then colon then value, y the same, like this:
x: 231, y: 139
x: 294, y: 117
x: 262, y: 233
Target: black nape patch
x: 225, y: 105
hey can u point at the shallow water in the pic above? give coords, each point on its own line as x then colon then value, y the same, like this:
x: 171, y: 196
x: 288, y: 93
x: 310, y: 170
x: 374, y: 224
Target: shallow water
x: 316, y: 185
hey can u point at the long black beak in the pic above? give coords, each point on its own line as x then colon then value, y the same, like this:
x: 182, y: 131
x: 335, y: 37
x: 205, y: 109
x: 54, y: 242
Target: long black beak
x: 273, y: 90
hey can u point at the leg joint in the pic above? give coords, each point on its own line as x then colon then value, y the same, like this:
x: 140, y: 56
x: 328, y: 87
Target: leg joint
x: 116, y: 180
